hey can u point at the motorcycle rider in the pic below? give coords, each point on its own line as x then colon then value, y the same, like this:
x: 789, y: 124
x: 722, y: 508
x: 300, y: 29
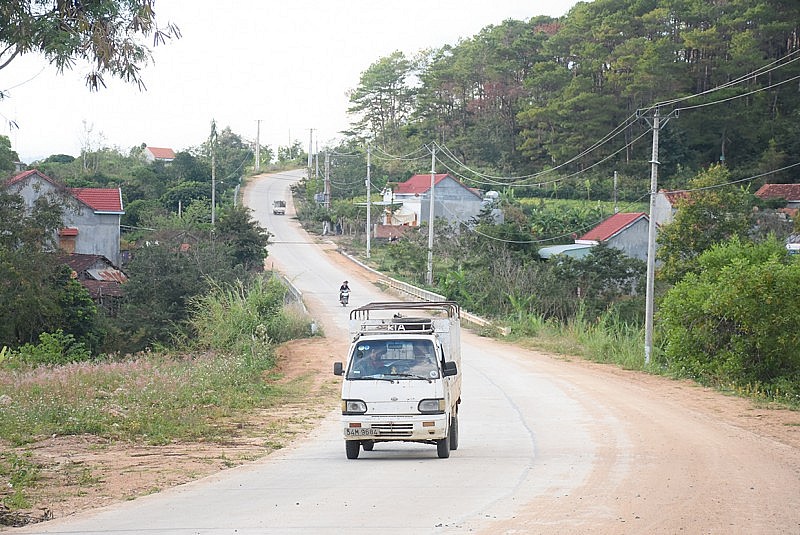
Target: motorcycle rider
x: 342, y: 289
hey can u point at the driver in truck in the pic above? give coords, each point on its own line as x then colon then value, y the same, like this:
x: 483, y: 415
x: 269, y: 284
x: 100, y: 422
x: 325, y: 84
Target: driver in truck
x: 370, y: 363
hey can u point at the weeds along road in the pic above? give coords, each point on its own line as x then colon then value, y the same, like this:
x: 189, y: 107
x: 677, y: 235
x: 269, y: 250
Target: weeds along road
x: 547, y: 445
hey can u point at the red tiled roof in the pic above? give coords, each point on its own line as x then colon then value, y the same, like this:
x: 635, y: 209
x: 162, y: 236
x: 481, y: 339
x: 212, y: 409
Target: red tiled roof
x: 100, y: 199
x: 790, y: 192
x: 25, y: 174
x: 418, y: 184
x: 674, y: 196
x: 162, y: 153
x: 612, y: 226
x: 68, y: 231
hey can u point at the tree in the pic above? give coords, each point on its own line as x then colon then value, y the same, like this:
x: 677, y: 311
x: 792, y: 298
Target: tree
x: 104, y: 33
x: 36, y: 290
x: 7, y: 156
x: 247, y: 240
x: 709, y: 215
x: 734, y: 319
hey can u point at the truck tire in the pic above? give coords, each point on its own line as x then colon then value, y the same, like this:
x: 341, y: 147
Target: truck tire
x: 454, y: 433
x: 351, y: 448
x: 443, y: 447
x: 367, y: 444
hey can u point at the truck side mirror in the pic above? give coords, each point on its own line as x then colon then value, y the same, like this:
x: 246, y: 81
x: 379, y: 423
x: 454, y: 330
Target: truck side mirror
x: 337, y: 368
x: 449, y: 369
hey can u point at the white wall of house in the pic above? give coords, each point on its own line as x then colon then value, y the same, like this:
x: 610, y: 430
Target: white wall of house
x: 632, y: 240
x: 664, y: 212
x: 98, y: 233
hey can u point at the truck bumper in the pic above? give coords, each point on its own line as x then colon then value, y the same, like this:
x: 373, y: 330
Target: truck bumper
x: 413, y: 428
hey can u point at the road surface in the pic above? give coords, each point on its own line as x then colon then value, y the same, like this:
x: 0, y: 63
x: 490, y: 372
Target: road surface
x: 547, y: 445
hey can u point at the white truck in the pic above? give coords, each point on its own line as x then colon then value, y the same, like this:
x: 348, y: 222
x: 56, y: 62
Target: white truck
x: 402, y: 378
x: 279, y: 207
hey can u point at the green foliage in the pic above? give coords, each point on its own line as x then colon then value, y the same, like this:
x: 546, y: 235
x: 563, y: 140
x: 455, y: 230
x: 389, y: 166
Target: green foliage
x: 734, y: 321
x: 53, y: 349
x: 8, y: 157
x: 704, y: 218
x: 22, y: 474
x: 104, y: 33
x: 247, y: 241
x: 245, y: 320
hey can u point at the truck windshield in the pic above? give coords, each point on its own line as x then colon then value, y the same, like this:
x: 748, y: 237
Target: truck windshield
x: 404, y: 359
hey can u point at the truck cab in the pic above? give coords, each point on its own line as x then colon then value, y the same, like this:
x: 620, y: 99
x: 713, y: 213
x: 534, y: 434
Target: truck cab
x: 279, y: 207
x: 401, y: 380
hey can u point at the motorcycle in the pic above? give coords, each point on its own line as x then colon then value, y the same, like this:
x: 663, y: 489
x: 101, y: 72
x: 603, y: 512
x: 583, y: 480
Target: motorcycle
x: 344, y: 297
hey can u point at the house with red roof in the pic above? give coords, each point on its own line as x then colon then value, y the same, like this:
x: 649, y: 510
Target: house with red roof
x: 666, y: 205
x: 627, y: 232
x: 788, y: 192
x: 408, y: 203
x: 153, y: 154
x: 91, y: 216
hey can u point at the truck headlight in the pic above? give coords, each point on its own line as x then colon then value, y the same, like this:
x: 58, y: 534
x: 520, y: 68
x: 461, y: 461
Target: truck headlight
x: 353, y: 406
x: 431, y: 406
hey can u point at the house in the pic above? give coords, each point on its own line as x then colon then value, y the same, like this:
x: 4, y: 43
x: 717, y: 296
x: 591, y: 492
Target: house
x: 91, y: 216
x: 158, y: 154
x: 788, y: 192
x: 99, y: 276
x: 627, y: 232
x: 453, y: 201
x: 665, y: 205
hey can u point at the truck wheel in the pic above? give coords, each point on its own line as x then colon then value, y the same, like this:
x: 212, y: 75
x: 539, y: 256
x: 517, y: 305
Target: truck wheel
x: 351, y: 448
x: 454, y: 433
x: 443, y: 447
x: 368, y: 445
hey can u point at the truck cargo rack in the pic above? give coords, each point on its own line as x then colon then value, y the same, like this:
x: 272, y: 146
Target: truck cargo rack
x: 450, y: 307
x: 363, y: 323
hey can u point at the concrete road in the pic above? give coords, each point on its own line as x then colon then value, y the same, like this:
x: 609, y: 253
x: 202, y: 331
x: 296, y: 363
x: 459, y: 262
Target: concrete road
x: 547, y: 445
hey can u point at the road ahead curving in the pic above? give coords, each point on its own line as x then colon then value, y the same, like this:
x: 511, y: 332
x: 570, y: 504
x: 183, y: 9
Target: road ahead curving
x: 547, y: 445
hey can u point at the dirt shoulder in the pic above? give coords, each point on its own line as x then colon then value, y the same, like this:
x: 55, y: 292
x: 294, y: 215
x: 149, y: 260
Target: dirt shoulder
x: 85, y: 472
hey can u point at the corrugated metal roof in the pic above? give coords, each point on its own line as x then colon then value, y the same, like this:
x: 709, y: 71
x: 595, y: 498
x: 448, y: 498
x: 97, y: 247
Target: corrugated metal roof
x: 575, y: 250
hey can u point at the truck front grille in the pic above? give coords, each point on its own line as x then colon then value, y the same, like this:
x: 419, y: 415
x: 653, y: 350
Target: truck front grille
x: 394, y: 429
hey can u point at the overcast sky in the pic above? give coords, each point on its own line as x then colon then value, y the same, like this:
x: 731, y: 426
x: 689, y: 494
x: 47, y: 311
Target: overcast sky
x: 287, y: 63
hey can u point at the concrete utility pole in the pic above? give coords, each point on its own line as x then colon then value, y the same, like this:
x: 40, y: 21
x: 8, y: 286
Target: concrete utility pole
x: 213, y: 171
x: 327, y: 193
x: 651, y: 240
x: 369, y: 202
x: 310, y: 150
x: 258, y: 145
x: 431, y: 213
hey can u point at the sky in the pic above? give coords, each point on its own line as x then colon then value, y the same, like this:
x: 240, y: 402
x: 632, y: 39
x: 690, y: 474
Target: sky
x: 279, y: 68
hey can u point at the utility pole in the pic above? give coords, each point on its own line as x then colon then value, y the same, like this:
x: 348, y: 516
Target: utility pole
x: 327, y: 192
x: 310, y: 150
x: 651, y: 240
x: 429, y: 277
x: 369, y: 202
x: 616, y: 208
x: 258, y: 145
x: 213, y: 140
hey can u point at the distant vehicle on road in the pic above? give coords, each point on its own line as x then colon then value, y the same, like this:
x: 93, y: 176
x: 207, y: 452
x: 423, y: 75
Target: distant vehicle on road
x: 279, y: 207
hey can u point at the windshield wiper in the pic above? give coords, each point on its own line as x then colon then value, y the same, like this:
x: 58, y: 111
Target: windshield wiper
x: 415, y: 376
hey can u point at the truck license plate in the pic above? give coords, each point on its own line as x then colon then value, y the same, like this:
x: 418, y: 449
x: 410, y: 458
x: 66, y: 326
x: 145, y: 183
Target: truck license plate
x: 360, y: 431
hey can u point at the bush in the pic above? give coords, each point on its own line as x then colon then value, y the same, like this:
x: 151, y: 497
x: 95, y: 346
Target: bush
x: 53, y: 349
x: 735, y: 322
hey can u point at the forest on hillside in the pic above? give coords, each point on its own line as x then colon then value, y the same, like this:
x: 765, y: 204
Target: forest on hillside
x: 553, y: 102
